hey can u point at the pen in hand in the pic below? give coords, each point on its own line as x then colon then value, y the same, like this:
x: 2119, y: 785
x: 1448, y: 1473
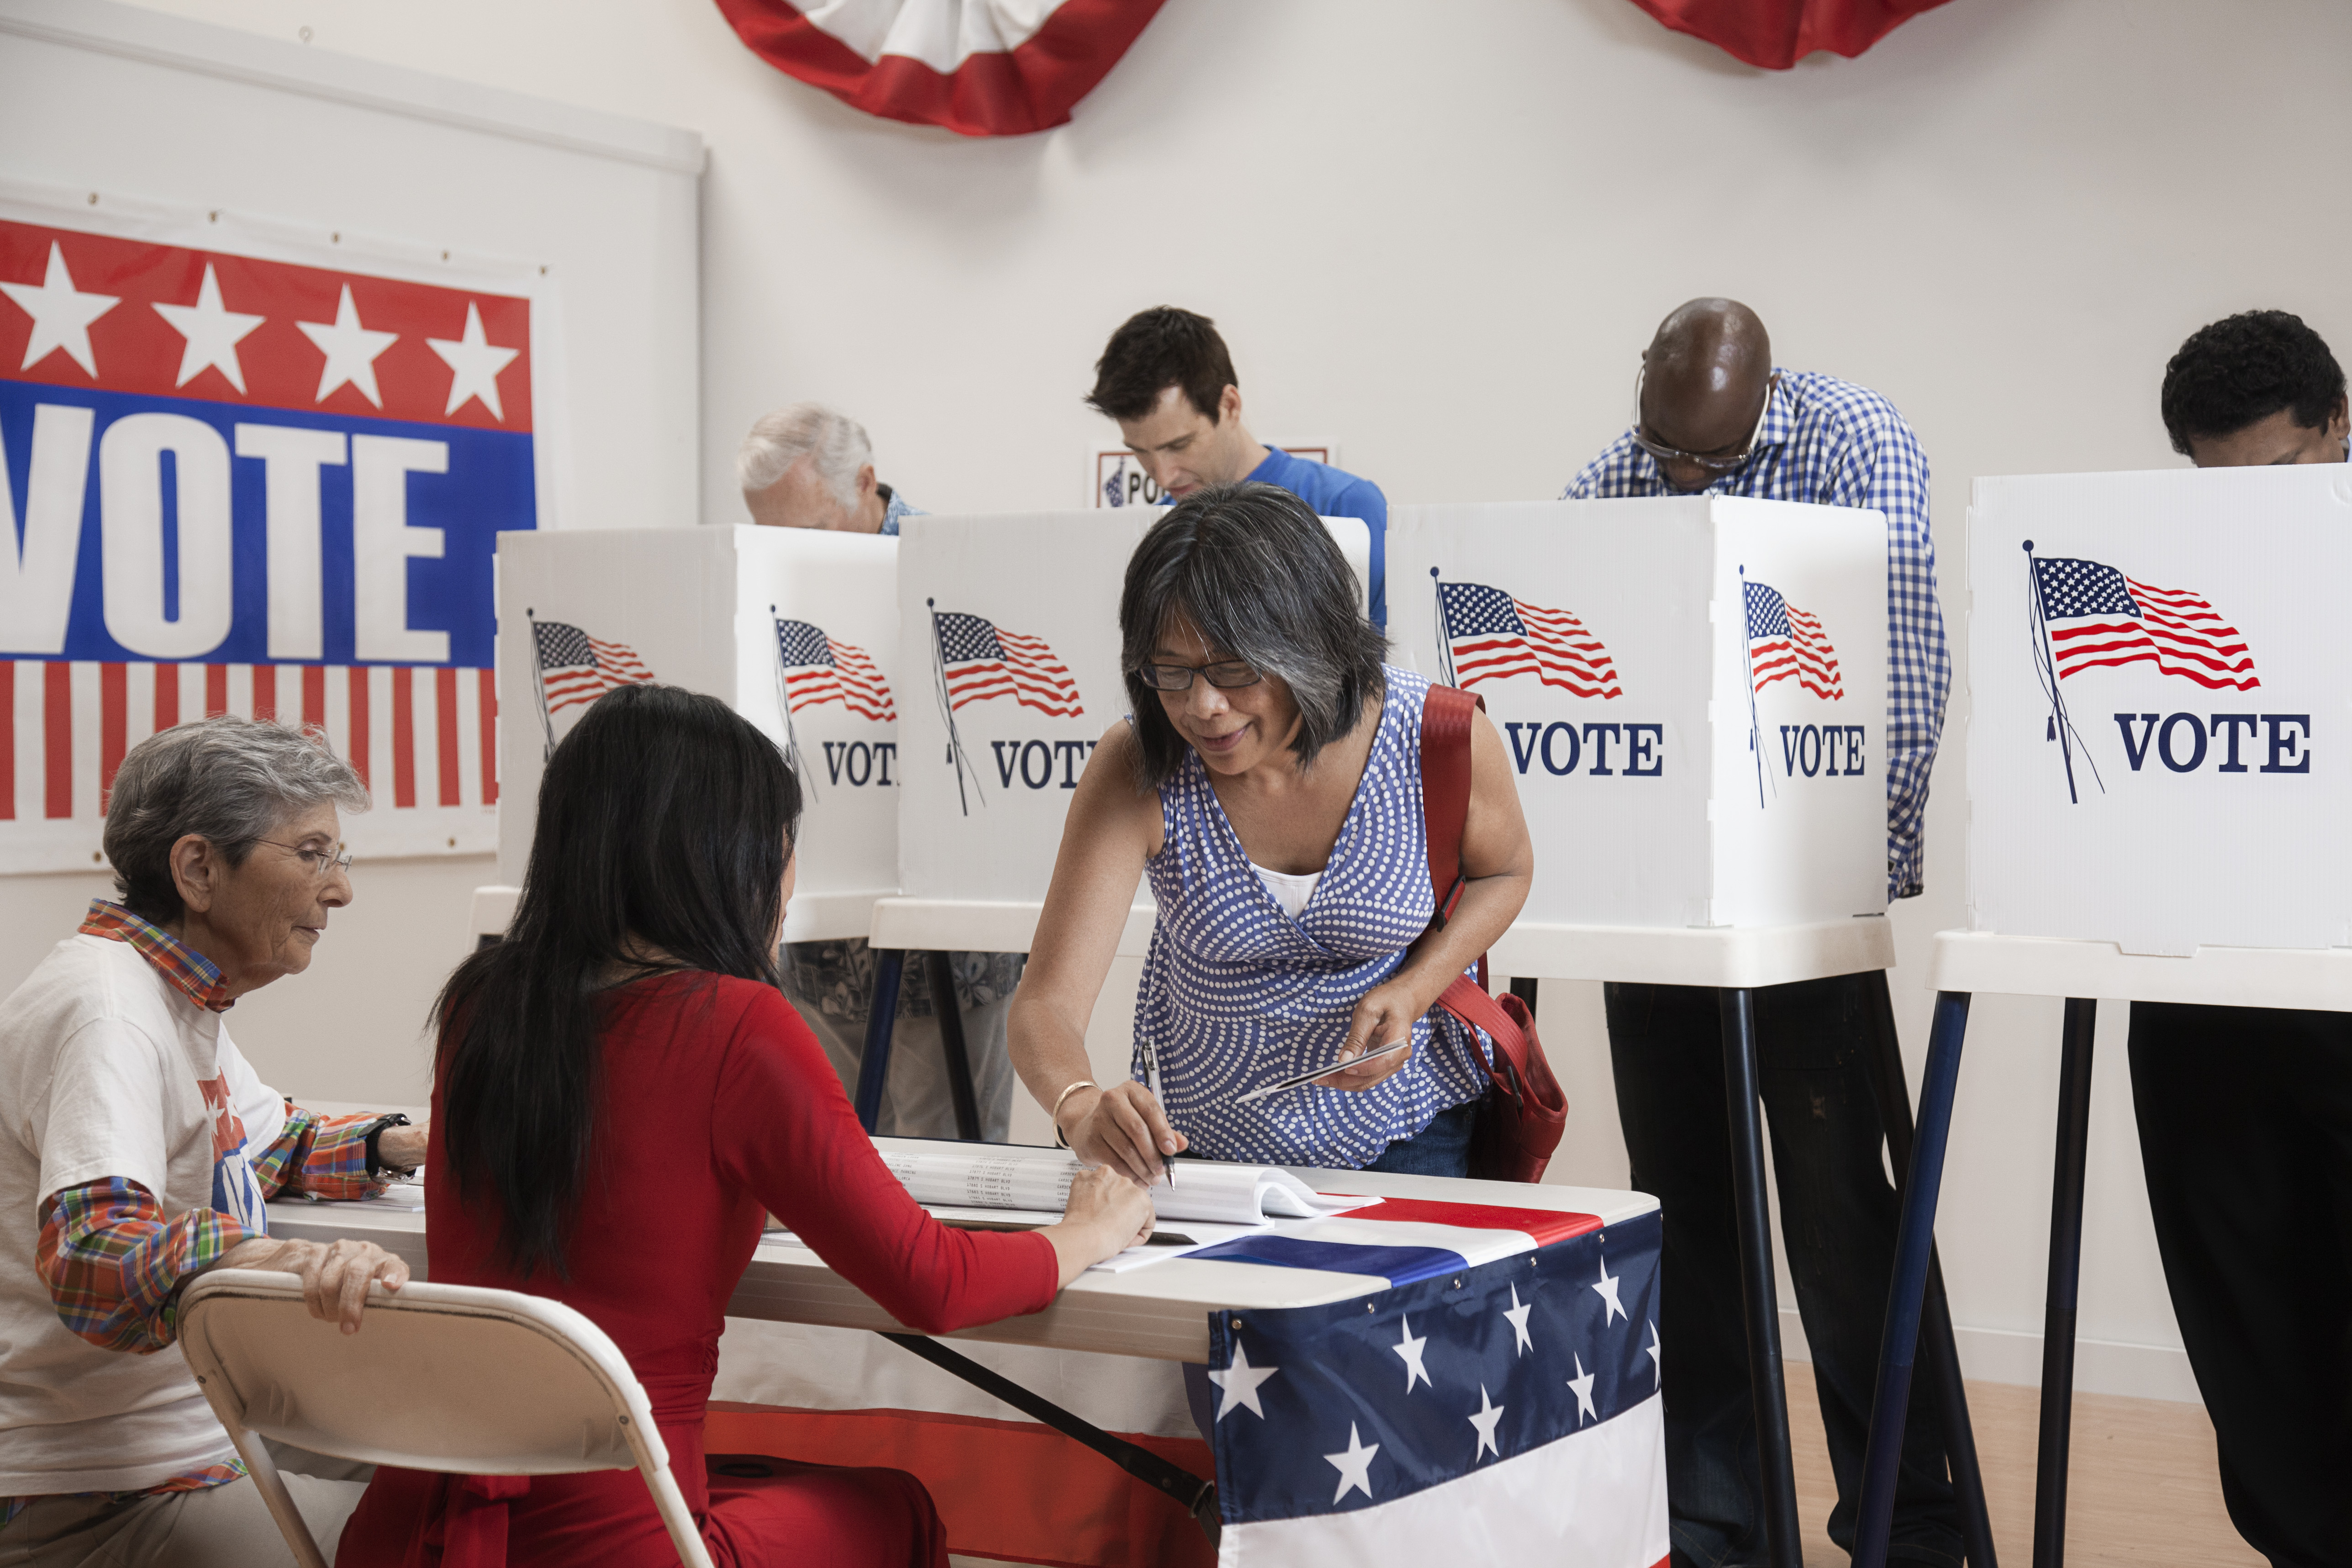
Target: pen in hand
x: 1152, y: 1081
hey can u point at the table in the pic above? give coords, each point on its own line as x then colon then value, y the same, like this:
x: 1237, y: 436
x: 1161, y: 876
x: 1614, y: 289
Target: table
x: 1969, y: 961
x: 1735, y: 962
x: 1162, y: 1312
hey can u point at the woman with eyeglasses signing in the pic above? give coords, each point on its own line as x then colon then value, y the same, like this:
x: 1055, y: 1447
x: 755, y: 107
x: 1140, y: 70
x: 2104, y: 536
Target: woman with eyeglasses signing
x: 1269, y: 786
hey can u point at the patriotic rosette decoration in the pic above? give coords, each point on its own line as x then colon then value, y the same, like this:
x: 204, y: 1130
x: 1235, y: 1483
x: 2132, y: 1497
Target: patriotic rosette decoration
x: 237, y: 482
x: 1502, y: 1388
x: 979, y: 67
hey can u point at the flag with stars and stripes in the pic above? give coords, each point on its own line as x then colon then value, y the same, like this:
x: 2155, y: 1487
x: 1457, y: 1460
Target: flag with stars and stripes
x: 1785, y: 641
x: 574, y: 668
x: 2097, y: 616
x: 1502, y: 1388
x: 979, y: 660
x: 1490, y: 634
x: 819, y: 668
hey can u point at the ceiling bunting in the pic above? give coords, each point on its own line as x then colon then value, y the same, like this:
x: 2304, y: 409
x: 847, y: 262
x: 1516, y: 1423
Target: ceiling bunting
x: 979, y: 67
x: 1777, y: 34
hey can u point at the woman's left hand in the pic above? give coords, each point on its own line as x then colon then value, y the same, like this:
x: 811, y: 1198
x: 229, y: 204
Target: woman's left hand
x: 1386, y: 1015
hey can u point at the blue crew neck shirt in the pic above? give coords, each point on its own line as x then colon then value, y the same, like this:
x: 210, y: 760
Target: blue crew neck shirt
x: 1335, y: 492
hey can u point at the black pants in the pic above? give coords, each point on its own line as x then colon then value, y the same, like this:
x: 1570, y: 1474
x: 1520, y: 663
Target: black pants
x: 1838, y: 1215
x: 2245, y: 1128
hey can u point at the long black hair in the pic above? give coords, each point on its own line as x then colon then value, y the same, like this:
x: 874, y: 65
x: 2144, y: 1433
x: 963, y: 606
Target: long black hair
x: 664, y: 822
x: 1256, y: 574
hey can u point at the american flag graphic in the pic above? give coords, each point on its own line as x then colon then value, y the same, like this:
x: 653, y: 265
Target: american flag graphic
x: 1785, y: 641
x: 819, y: 668
x: 574, y: 668
x: 979, y: 660
x: 2097, y: 616
x: 1493, y: 635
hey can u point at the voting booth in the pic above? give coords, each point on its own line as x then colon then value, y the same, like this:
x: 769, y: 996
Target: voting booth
x: 2156, y: 666
x: 1692, y: 690
x: 1009, y: 624
x: 793, y: 628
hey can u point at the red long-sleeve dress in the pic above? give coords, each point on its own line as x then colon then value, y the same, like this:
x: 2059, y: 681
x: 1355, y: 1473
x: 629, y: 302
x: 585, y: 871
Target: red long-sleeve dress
x: 719, y: 1104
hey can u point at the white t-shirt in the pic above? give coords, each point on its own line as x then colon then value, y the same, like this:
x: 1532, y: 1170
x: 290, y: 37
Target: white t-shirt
x: 108, y: 1070
x: 1291, y: 889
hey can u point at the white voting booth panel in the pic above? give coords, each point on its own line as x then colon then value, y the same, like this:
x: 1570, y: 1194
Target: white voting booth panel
x: 2159, y: 695
x: 749, y: 616
x: 1610, y: 640
x: 1009, y: 630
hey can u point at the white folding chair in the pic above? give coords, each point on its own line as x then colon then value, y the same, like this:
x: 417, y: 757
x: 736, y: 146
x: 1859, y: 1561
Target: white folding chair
x: 440, y: 1377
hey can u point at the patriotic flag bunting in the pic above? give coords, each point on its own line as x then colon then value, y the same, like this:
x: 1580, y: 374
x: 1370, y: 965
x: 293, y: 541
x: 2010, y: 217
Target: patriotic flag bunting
x: 1784, y: 641
x: 576, y: 668
x: 1493, y: 635
x: 2097, y: 618
x: 979, y: 660
x: 819, y: 668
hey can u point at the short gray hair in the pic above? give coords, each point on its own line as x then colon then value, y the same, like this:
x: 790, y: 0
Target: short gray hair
x: 834, y: 444
x: 226, y: 779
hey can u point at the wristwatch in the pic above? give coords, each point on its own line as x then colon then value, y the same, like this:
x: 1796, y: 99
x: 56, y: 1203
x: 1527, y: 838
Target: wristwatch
x: 375, y: 1164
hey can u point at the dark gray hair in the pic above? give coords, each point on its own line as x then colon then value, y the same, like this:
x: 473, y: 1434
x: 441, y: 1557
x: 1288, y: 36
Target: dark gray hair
x: 1258, y: 575
x: 226, y: 779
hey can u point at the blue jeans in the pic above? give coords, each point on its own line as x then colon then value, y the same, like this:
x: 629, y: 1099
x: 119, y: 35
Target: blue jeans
x: 1440, y: 1149
x: 1838, y: 1215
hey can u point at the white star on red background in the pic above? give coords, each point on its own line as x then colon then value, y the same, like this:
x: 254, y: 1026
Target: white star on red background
x: 474, y: 363
x: 350, y: 350
x: 212, y: 331
x: 61, y: 314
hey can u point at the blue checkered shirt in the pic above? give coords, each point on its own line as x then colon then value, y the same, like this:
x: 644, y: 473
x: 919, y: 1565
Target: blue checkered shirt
x: 1831, y: 443
x: 894, y: 508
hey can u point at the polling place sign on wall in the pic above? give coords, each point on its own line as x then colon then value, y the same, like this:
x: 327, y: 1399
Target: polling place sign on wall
x: 256, y: 473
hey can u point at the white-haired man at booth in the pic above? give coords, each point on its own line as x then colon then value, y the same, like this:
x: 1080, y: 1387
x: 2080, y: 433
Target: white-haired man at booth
x: 809, y: 465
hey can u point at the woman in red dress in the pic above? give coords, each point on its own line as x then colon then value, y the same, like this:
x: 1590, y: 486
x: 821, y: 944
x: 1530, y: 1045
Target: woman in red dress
x: 620, y: 1093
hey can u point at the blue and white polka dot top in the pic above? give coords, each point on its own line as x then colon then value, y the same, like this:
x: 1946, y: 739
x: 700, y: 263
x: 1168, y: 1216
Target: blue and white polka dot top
x: 1237, y: 993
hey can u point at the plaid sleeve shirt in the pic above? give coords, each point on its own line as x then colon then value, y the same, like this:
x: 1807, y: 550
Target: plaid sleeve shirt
x: 1831, y: 443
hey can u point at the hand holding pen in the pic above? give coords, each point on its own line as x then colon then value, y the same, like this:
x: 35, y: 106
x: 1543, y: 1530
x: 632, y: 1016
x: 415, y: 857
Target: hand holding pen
x: 1122, y: 1127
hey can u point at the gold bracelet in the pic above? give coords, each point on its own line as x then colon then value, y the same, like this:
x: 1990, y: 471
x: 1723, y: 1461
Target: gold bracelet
x: 1055, y: 1115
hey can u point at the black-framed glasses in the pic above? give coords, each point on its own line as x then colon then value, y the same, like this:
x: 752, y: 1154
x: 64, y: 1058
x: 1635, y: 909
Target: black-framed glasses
x: 1713, y: 462
x: 321, y: 863
x: 1225, y: 675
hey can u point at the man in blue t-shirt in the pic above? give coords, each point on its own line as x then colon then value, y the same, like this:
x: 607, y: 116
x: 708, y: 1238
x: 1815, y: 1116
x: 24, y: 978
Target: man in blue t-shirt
x: 1169, y: 380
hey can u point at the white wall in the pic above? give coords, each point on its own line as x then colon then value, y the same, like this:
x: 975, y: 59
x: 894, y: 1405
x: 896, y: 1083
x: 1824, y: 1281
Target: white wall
x: 1439, y: 237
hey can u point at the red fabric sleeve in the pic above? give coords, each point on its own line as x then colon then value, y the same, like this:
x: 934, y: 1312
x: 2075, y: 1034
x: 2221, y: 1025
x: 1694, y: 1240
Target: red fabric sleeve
x: 783, y: 1130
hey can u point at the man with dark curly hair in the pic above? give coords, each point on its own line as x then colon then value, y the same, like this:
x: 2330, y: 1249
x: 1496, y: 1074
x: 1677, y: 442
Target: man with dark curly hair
x: 2245, y: 1113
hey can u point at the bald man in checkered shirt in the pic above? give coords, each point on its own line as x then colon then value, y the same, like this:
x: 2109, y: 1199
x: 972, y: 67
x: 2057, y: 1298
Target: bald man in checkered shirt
x: 1715, y: 417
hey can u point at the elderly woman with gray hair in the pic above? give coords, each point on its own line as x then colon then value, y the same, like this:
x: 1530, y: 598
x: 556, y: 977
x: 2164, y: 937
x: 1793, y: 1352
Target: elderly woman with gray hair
x: 139, y: 1150
x: 1269, y: 785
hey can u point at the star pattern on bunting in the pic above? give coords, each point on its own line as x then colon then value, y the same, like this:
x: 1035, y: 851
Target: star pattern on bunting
x: 1657, y: 1367
x: 1517, y: 1314
x: 212, y: 330
x: 1484, y: 1420
x: 1409, y: 1349
x: 61, y: 314
x: 351, y: 349
x: 1608, y: 1290
x: 1240, y: 1384
x: 474, y: 364
x: 1582, y: 1386
x: 1355, y: 1466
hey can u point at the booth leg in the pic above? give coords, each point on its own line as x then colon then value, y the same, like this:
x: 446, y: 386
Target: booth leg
x: 1914, y: 1243
x: 873, y: 1066
x: 1943, y: 1350
x: 1758, y: 1292
x: 951, y: 1045
x: 1523, y: 986
x: 2065, y: 1274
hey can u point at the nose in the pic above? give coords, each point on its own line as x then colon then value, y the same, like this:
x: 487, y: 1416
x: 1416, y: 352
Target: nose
x: 1687, y: 477
x: 1202, y: 700
x: 338, y: 891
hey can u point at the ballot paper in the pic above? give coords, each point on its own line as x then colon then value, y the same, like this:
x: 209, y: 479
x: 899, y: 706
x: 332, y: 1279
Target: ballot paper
x: 999, y: 1176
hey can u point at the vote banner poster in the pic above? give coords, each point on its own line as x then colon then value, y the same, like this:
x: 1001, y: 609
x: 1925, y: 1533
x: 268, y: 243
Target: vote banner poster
x: 258, y: 474
x: 1691, y: 692
x: 2158, y: 692
x: 793, y: 628
x: 1009, y: 643
x: 1117, y: 478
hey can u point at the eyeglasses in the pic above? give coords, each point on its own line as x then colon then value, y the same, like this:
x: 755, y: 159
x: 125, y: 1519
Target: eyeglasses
x: 1713, y: 463
x: 1224, y: 676
x: 321, y: 862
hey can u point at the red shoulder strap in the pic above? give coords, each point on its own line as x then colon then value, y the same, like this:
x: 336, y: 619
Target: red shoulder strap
x: 1445, y: 788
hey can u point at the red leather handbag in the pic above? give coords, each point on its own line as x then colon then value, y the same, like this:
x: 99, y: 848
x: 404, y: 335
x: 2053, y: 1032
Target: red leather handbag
x: 1524, y: 1111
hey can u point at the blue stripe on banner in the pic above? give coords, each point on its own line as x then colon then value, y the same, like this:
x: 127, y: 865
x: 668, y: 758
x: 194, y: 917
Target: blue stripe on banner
x: 1397, y: 1265
x: 1461, y: 1369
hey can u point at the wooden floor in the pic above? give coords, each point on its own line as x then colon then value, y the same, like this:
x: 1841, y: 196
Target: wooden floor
x: 2142, y: 1487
